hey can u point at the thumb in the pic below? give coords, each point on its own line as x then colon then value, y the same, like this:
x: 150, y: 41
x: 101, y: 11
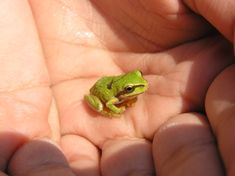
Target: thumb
x: 220, y: 107
x: 39, y: 158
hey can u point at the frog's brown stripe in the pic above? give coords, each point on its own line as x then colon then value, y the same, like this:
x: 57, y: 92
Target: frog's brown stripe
x: 124, y: 91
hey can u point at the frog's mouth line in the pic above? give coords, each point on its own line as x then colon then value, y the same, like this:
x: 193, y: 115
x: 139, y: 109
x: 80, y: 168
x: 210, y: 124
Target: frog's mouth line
x: 124, y: 98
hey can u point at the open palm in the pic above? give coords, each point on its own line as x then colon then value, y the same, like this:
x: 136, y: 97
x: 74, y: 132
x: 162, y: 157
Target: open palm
x: 178, y: 53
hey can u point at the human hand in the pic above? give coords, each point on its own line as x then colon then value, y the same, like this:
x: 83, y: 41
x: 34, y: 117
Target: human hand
x: 169, y: 119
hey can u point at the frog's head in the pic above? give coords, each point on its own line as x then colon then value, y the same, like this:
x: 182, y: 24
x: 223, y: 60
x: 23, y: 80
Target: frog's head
x: 131, y: 84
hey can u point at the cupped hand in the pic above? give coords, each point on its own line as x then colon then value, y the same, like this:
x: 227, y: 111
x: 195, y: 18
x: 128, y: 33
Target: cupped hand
x: 52, y: 52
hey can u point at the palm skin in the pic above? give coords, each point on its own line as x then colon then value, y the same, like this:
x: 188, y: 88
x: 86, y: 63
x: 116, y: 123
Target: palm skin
x: 170, y: 45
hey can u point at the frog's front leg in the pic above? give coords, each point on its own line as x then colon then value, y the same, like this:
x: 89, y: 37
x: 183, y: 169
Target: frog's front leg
x: 94, y: 102
x: 114, y: 109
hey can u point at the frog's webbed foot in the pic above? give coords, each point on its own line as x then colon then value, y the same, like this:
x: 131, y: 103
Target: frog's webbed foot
x: 130, y: 102
x: 94, y: 102
x: 113, y: 108
x: 110, y: 114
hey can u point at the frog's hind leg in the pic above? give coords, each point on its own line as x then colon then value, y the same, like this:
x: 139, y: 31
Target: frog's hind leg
x: 94, y: 102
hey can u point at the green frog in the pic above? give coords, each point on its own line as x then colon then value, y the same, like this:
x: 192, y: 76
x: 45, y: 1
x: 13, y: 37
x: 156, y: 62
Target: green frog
x: 112, y: 94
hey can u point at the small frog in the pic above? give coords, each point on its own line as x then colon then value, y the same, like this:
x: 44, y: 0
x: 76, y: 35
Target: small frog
x: 112, y: 94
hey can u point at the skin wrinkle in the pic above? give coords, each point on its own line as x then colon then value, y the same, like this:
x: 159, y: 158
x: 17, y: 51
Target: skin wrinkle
x: 99, y: 39
x: 29, y: 107
x: 142, y: 63
x: 65, y: 134
x: 146, y: 136
x: 126, y: 28
x: 141, y: 30
x: 91, y: 20
x: 24, y: 87
x: 177, y: 14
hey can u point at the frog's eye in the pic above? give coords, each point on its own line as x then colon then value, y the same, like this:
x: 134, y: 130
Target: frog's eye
x: 129, y: 89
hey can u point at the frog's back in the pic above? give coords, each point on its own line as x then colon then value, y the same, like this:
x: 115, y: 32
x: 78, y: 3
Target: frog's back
x: 101, y: 89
